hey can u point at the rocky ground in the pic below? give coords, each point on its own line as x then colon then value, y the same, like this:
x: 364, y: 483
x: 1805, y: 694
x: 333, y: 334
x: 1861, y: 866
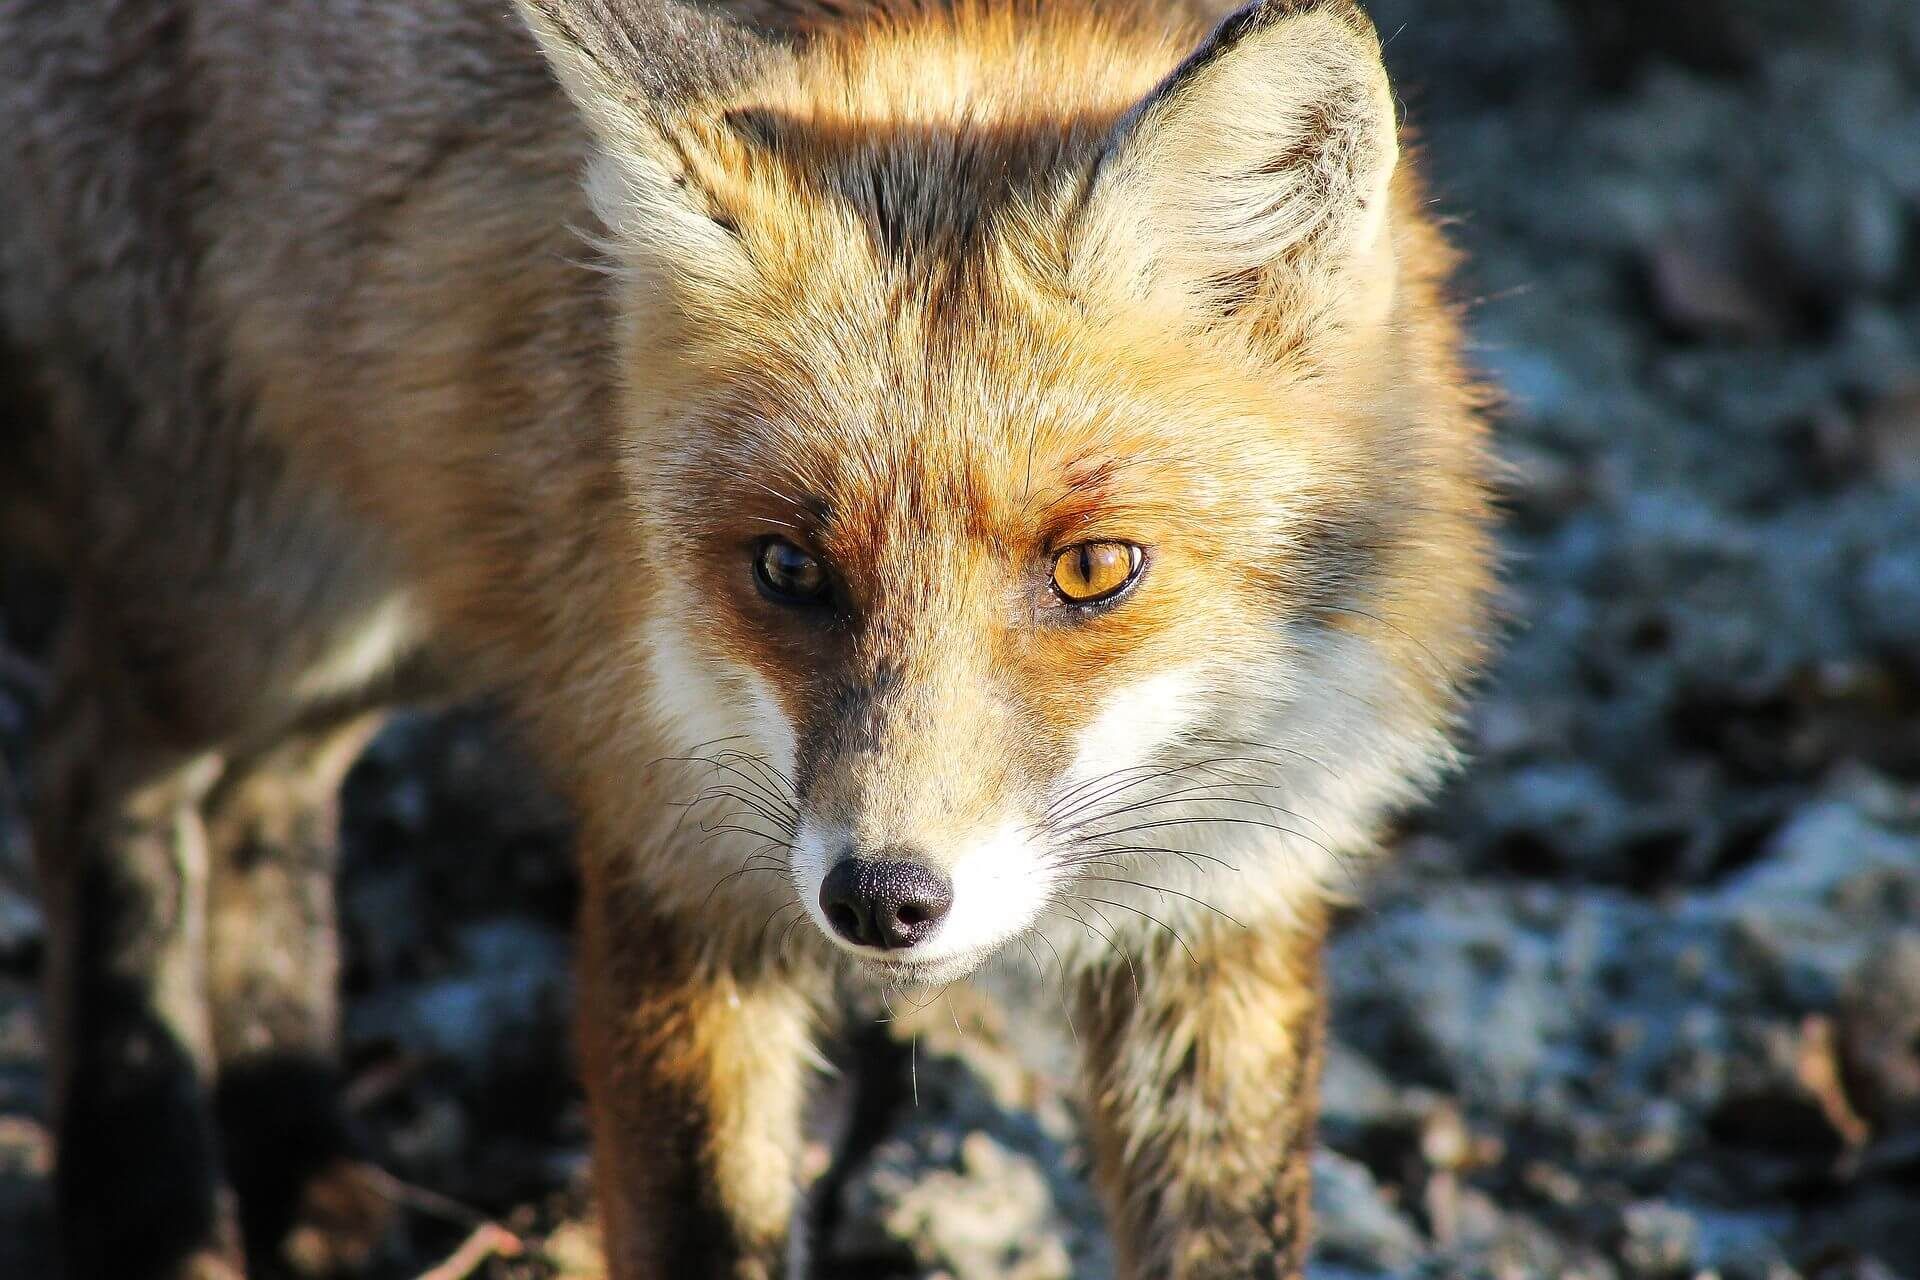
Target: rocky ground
x: 1640, y: 997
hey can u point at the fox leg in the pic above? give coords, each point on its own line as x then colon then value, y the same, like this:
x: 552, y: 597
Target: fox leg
x: 696, y: 1070
x: 124, y: 866
x: 273, y: 973
x: 1203, y: 1088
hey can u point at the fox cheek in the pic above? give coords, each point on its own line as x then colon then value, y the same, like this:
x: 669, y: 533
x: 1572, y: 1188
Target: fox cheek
x: 721, y: 709
x: 1134, y: 725
x: 772, y: 732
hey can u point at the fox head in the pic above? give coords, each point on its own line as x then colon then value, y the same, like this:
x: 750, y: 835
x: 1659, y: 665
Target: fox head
x: 1053, y: 486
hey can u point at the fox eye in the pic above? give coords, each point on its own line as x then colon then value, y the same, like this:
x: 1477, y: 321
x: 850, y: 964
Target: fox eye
x: 1095, y: 571
x: 787, y: 574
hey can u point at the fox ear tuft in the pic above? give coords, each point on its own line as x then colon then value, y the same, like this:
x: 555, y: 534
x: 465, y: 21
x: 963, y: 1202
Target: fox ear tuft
x: 1258, y: 170
x: 641, y: 72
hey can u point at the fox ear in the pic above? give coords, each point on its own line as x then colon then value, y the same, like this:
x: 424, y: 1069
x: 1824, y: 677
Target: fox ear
x: 1256, y: 174
x: 640, y: 73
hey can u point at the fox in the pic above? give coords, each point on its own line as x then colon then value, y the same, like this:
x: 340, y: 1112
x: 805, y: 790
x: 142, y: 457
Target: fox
x: 933, y: 483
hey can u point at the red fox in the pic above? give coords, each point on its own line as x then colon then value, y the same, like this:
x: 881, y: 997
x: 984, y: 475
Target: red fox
x: 930, y: 480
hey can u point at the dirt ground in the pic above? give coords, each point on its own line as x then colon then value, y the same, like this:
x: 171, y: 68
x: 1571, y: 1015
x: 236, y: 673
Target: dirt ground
x: 1640, y: 996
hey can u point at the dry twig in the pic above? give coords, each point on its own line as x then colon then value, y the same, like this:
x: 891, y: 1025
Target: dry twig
x: 489, y: 1240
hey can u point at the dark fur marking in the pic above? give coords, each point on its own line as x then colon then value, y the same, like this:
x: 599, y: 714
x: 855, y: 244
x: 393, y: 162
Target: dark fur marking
x: 848, y: 724
x: 1330, y: 121
x: 1237, y: 290
x: 1346, y: 549
x: 930, y: 195
x: 757, y: 125
x: 139, y: 1176
x: 281, y: 1123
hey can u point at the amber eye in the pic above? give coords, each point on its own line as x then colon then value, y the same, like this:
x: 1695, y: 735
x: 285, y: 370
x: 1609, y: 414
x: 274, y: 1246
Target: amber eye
x: 1095, y: 571
x: 788, y: 574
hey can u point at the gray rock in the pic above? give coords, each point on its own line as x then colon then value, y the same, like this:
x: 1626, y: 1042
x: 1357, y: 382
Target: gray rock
x: 1836, y: 233
x: 22, y: 927
x: 1879, y: 1031
x: 1658, y: 1239
x: 1354, y: 1224
x: 987, y: 1215
x: 509, y: 982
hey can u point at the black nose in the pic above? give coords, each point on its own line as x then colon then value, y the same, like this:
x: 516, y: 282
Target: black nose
x: 888, y: 905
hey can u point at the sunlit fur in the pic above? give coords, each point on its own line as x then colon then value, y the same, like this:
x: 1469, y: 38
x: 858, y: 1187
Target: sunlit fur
x: 929, y: 307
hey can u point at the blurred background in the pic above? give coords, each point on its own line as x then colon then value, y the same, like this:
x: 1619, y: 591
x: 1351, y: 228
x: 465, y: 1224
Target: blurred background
x: 1640, y: 996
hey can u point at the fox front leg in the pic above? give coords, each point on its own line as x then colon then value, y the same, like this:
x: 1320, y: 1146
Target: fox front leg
x: 697, y: 1076
x: 1203, y: 1086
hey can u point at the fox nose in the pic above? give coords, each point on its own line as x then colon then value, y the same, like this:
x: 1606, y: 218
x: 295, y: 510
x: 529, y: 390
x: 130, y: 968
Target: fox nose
x: 888, y: 905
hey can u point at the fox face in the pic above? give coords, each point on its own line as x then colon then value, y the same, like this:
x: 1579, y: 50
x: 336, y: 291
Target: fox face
x: 1046, y: 461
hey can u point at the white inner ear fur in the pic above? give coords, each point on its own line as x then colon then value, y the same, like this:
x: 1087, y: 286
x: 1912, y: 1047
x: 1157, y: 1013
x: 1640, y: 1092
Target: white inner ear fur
x: 1276, y: 153
x: 655, y: 225
x: 636, y: 181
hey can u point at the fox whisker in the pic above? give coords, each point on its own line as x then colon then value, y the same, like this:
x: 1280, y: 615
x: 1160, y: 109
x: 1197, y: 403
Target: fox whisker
x: 1175, y: 933
x: 1160, y: 888
x: 738, y: 872
x: 1299, y: 756
x: 1060, y: 965
x: 786, y: 936
x: 757, y: 784
x: 760, y: 935
x: 953, y: 1012
x: 1106, y: 936
x: 779, y: 821
x: 718, y: 828
x: 1204, y: 794
x: 1113, y: 782
x: 1095, y: 858
x: 1062, y: 805
x: 1172, y: 931
x: 1202, y: 820
x: 763, y: 765
x: 1437, y: 667
x: 693, y: 756
x: 784, y: 821
x: 1194, y: 856
x: 1077, y: 800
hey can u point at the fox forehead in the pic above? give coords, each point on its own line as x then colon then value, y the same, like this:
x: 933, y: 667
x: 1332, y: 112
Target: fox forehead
x: 936, y: 471
x: 924, y: 126
x: 1012, y: 439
